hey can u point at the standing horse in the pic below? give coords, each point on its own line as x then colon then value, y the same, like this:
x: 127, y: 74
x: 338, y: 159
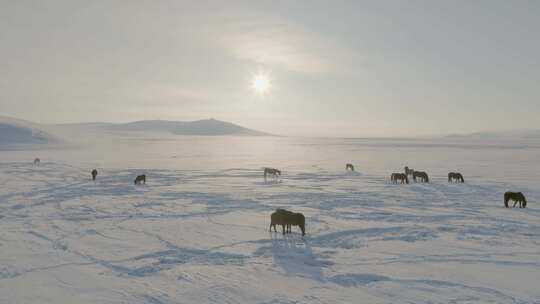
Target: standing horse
x: 408, y: 171
x: 37, y: 161
x: 420, y: 175
x: 140, y: 179
x: 399, y: 176
x: 349, y: 167
x: 94, y: 174
x: 455, y: 177
x: 287, y: 219
x: 271, y: 171
x: 517, y: 197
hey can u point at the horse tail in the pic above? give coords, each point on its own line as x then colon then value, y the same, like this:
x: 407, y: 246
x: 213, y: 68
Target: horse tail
x: 506, y: 199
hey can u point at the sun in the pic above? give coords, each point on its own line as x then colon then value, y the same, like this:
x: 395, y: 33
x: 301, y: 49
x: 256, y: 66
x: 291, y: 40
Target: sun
x: 261, y: 83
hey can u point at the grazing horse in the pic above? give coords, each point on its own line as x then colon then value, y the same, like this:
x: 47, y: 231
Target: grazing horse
x: 399, y: 176
x: 455, y: 177
x: 421, y: 175
x: 37, y: 161
x: 271, y: 171
x: 287, y: 219
x: 517, y: 197
x: 94, y: 174
x: 349, y: 167
x: 140, y: 179
x: 408, y: 171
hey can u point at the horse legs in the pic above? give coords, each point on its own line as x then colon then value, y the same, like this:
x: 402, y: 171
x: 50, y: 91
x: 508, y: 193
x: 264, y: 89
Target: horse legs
x: 283, y: 228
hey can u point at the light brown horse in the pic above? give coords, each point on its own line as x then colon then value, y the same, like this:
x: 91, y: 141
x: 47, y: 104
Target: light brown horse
x: 402, y: 177
x: 420, y: 175
x: 140, y: 179
x: 517, y: 197
x: 455, y: 177
x: 349, y: 167
x: 287, y: 219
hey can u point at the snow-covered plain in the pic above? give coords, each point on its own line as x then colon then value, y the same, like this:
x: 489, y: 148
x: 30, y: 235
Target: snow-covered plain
x: 197, y: 232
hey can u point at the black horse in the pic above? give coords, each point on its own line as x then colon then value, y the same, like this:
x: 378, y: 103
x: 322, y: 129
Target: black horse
x: 349, y: 167
x: 140, y: 179
x: 94, y: 174
x: 455, y: 177
x: 517, y: 197
x: 420, y: 175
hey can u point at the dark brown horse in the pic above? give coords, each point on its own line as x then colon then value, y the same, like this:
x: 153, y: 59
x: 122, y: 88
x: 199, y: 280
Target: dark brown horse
x: 349, y: 167
x: 287, y: 219
x: 402, y: 177
x: 271, y: 171
x: 94, y: 174
x: 517, y: 197
x: 420, y: 175
x: 455, y: 177
x: 140, y: 179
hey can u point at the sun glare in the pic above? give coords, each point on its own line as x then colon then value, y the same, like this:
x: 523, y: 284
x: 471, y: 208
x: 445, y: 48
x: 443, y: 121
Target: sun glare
x: 261, y: 83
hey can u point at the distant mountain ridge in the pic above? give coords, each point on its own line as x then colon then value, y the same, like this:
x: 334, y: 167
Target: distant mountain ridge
x: 508, y: 134
x: 17, y: 131
x: 206, y: 127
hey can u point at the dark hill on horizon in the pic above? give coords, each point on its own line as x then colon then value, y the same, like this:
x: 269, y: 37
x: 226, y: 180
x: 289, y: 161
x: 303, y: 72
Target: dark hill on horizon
x: 206, y: 127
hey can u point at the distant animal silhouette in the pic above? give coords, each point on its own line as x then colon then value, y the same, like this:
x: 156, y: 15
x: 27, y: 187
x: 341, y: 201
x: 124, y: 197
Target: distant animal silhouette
x: 408, y: 171
x: 349, y: 167
x: 37, y: 161
x: 402, y: 177
x: 420, y: 176
x: 287, y: 219
x: 140, y: 179
x: 94, y: 174
x: 455, y: 177
x: 517, y: 197
x: 271, y: 171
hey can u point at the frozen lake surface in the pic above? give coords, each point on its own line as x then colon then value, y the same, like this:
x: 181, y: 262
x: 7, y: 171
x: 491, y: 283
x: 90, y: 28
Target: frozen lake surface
x: 197, y: 232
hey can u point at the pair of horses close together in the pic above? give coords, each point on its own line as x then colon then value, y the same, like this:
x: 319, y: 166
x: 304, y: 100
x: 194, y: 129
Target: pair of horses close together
x: 418, y: 176
x: 287, y: 219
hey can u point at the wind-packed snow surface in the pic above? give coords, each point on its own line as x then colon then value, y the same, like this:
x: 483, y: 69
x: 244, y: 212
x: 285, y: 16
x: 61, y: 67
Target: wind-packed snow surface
x: 197, y: 232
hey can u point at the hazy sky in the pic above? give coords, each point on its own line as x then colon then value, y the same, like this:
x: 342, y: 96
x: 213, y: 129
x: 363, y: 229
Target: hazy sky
x: 341, y: 68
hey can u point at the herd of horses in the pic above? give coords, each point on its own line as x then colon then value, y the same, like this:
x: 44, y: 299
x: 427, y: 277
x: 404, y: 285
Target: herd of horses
x: 287, y: 219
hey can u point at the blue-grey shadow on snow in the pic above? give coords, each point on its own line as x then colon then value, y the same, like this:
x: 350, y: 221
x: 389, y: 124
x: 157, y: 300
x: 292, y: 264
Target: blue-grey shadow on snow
x: 295, y: 256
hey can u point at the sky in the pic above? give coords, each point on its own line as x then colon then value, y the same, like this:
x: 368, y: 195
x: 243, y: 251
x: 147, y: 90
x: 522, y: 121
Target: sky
x: 336, y: 68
